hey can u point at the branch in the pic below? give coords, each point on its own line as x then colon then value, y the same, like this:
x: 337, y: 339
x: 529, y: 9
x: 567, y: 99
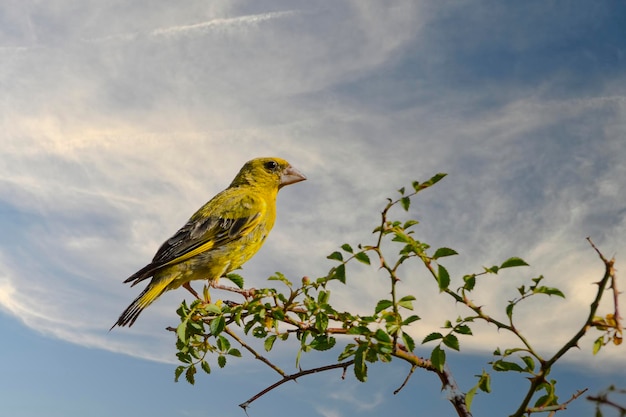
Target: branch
x: 254, y: 352
x: 573, y: 342
x: 293, y: 377
x: 557, y: 407
x: 456, y: 396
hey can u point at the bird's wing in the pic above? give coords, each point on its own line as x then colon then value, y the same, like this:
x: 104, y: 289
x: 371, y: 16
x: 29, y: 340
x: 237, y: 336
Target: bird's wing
x: 218, y: 223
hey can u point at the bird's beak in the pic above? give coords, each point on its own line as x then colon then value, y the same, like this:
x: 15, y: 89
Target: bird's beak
x: 290, y: 175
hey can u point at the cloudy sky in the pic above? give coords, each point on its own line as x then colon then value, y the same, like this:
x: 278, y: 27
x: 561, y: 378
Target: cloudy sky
x: 119, y: 119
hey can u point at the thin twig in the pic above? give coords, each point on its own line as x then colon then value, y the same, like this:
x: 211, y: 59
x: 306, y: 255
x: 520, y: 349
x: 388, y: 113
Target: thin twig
x: 557, y: 407
x: 254, y: 352
x: 405, y: 380
x: 295, y: 376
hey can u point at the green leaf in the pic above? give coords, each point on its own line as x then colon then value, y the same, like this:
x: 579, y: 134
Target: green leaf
x: 278, y: 276
x: 469, y: 397
x: 362, y: 257
x: 360, y: 367
x: 463, y: 329
x: 337, y: 256
x: 530, y: 363
x: 339, y: 273
x: 443, y: 278
x: 505, y: 366
x: 470, y: 282
x: 222, y: 343
x: 442, y: 252
x: 382, y: 336
x: 509, y: 309
x: 405, y: 202
x: 347, y: 352
x: 181, y: 331
x: 382, y: 305
x: 217, y: 325
x: 234, y: 352
x: 410, y: 320
x: 484, y: 383
x: 213, y: 309
x: 406, y: 302
x: 221, y: 361
x: 235, y: 279
x: 597, y: 344
x: 435, y: 179
x: 409, y: 223
x: 513, y: 262
x: 323, y: 342
x: 205, y: 367
x: 190, y: 375
x: 178, y: 372
x: 451, y: 341
x: 401, y: 190
x: 346, y: 247
x: 549, y: 291
x: 431, y: 337
x: 408, y: 341
x: 438, y: 358
x: 269, y: 342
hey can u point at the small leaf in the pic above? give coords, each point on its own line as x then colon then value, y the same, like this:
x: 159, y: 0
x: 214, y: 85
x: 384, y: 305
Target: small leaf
x: 408, y: 342
x: 463, y: 329
x: 442, y: 252
x: 443, y: 278
x: 362, y: 257
x: 469, y: 397
x: 269, y: 342
x: 597, y: 344
x: 235, y: 279
x: 346, y: 247
x: 504, y: 366
x: 217, y: 325
x: 406, y: 203
x: 181, y: 331
x: 221, y: 361
x: 410, y: 320
x: 431, y: 337
x: 360, y: 368
x: 339, y: 273
x: 509, y: 309
x: 549, y: 291
x: 190, y: 374
x: 451, y: 341
x: 470, y: 282
x: 513, y: 262
x: 234, y: 352
x: 205, y: 367
x: 323, y: 342
x: 484, y: 383
x: 438, y: 358
x: 337, y: 256
x: 382, y: 305
x: 406, y: 302
x: 409, y: 223
x: 178, y: 372
x: 530, y: 363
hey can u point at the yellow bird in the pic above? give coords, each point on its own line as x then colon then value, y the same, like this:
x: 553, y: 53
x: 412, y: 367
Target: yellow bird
x: 220, y: 237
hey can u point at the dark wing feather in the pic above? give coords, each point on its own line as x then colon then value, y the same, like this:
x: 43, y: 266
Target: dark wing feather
x: 210, y: 232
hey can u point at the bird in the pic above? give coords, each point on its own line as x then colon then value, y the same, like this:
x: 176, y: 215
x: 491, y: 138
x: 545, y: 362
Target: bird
x: 220, y: 237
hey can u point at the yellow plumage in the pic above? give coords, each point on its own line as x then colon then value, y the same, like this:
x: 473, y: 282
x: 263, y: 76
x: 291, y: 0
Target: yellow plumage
x: 221, y: 236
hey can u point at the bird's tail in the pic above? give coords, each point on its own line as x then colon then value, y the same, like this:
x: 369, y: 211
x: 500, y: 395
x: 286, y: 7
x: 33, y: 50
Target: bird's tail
x: 147, y: 296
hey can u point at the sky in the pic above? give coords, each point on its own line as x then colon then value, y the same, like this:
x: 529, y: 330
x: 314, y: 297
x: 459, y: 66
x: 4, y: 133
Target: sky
x: 119, y: 119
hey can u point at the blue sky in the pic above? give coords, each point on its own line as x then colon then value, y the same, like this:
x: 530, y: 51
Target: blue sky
x: 119, y: 119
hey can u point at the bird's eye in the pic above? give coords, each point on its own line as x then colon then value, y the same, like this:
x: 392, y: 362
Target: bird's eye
x: 271, y: 165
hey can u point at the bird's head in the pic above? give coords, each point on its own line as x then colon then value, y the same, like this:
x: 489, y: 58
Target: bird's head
x: 269, y: 172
